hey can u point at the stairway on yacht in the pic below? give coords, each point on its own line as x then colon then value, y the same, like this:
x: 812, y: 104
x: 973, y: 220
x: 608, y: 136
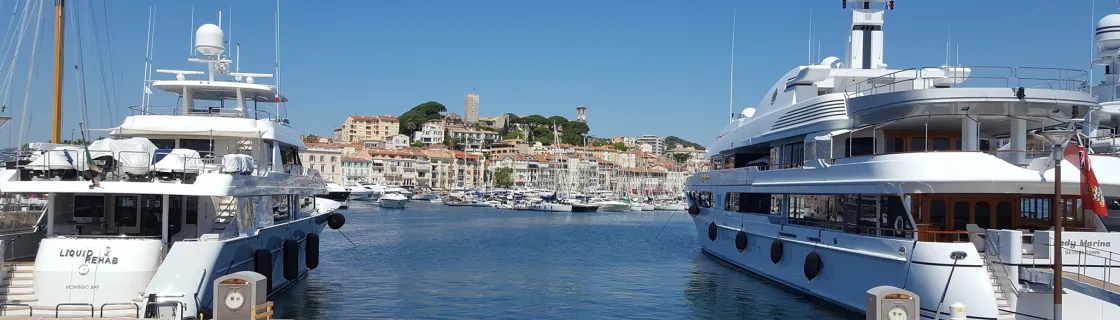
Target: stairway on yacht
x: 997, y: 287
x: 17, y: 297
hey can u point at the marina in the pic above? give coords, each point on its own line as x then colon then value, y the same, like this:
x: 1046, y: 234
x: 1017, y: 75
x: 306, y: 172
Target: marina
x: 846, y: 188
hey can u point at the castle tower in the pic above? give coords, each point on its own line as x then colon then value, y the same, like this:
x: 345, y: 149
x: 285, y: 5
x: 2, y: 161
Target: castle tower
x: 581, y: 114
x: 470, y: 112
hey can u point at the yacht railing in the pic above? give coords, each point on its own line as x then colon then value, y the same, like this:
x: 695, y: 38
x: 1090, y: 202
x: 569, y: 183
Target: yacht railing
x: 1105, y: 260
x: 259, y: 114
x: 143, y: 169
x: 955, y: 76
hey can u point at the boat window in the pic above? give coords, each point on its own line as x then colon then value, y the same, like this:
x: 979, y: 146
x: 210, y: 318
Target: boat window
x: 174, y: 215
x: 894, y: 214
x: 1005, y: 214
x: 151, y: 212
x: 776, y: 204
x: 732, y: 202
x: 941, y: 144
x: 192, y: 210
x: 895, y: 145
x: 89, y: 207
x: 917, y: 144
x: 754, y: 203
x: 982, y: 214
x: 960, y: 215
x: 1035, y: 209
x: 860, y: 146
x: 163, y: 143
x: 204, y: 147
x: 124, y: 209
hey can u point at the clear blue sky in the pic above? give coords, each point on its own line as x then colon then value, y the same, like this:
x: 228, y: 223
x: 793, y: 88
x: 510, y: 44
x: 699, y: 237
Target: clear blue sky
x: 641, y: 67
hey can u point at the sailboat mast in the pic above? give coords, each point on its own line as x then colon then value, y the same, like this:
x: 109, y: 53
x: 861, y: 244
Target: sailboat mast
x: 59, y: 37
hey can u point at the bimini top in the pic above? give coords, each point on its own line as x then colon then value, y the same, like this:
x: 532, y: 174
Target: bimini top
x: 220, y: 90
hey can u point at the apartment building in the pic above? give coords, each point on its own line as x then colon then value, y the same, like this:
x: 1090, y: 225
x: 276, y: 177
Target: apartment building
x: 325, y: 158
x: 397, y: 142
x: 362, y: 128
x: 473, y: 141
x: 357, y: 168
x: 430, y: 133
x: 656, y: 143
x: 393, y: 167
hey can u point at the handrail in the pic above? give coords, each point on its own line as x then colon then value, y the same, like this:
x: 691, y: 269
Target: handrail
x: 1081, y: 254
x: 212, y: 111
x: 993, y: 244
x: 120, y: 304
x: 74, y: 304
x: 1065, y: 79
x: 4, y: 308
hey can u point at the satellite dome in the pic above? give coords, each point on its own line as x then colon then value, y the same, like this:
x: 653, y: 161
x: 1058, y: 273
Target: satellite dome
x: 1108, y: 33
x: 210, y: 40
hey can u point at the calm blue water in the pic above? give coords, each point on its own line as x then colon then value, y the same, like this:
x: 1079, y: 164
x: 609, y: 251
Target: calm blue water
x: 434, y: 261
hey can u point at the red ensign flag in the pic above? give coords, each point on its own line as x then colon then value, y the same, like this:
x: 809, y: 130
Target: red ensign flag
x: 1092, y: 197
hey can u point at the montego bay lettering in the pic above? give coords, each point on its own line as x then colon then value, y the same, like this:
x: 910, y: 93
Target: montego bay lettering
x: 88, y: 256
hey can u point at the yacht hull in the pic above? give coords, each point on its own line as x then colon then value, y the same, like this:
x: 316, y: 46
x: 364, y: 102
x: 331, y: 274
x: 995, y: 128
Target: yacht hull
x: 392, y: 203
x: 552, y: 207
x: 852, y: 264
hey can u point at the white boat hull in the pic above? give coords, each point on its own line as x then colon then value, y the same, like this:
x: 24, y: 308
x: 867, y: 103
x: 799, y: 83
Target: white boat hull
x: 392, y: 203
x: 648, y: 207
x: 552, y: 207
x: 852, y: 263
x: 609, y: 207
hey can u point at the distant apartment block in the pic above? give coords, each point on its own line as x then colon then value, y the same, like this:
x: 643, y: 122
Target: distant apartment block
x: 628, y: 141
x: 362, y: 128
x: 327, y: 159
x: 430, y: 133
x: 397, y: 142
x: 656, y: 143
x: 473, y: 141
x: 470, y: 112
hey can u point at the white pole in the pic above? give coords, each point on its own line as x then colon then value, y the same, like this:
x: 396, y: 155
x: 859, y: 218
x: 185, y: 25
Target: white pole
x: 731, y: 103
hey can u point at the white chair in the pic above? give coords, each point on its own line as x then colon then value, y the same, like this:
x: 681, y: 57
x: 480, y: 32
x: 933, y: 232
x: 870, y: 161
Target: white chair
x: 976, y: 235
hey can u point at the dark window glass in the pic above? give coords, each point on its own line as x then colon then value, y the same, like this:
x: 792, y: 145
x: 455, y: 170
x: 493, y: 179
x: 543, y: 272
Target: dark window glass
x: 960, y: 215
x: 861, y: 146
x: 982, y: 211
x: 1004, y: 215
x: 89, y: 206
x: 192, y: 210
x: 732, y: 202
x: 895, y: 144
x: 163, y: 143
x: 125, y: 211
x: 918, y: 144
x: 202, y: 146
x: 941, y: 144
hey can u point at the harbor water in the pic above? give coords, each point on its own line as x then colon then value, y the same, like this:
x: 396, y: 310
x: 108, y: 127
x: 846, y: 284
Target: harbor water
x: 431, y: 261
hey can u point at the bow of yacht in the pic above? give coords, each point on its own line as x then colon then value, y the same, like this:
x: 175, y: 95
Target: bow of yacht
x: 181, y: 195
x: 849, y: 175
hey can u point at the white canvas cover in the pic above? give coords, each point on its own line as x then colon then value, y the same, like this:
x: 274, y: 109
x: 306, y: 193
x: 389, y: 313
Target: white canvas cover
x: 237, y: 163
x: 180, y: 161
x: 56, y: 159
x: 133, y: 155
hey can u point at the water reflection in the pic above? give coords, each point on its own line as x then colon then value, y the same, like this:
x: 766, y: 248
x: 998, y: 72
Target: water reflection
x: 435, y: 261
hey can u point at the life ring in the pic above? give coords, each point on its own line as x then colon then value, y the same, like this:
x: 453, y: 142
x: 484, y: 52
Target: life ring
x: 741, y: 241
x: 776, y: 251
x: 813, y: 265
x: 899, y: 225
x: 312, y: 251
x: 712, y: 231
x: 262, y: 264
x: 693, y: 210
x: 336, y: 221
x: 291, y: 259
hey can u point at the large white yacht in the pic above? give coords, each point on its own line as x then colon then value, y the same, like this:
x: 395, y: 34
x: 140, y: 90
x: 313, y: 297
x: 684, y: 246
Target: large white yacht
x: 142, y: 223
x: 849, y: 175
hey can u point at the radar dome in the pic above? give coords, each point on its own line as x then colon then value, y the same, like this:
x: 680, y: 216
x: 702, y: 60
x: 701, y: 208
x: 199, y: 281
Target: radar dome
x: 832, y: 62
x: 210, y: 40
x: 1108, y: 32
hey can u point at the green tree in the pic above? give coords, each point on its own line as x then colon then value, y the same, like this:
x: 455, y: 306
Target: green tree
x: 512, y: 135
x: 503, y: 177
x: 417, y: 144
x: 600, y: 142
x: 574, y: 132
x: 535, y: 119
x: 672, y: 141
x: 543, y: 135
x: 413, y: 119
x: 620, y: 146
x: 681, y: 158
x: 558, y: 120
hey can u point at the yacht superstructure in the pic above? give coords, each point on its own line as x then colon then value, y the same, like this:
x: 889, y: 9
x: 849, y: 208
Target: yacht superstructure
x: 181, y: 195
x: 849, y: 175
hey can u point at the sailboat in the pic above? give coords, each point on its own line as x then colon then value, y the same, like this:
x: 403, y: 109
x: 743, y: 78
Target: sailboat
x: 179, y: 196
x: 552, y: 203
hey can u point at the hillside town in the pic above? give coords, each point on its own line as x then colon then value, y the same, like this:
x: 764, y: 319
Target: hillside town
x: 450, y: 152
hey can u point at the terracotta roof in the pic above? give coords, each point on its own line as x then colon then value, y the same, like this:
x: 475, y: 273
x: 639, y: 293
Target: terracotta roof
x: 387, y: 152
x: 464, y: 155
x: 357, y: 158
x: 375, y: 118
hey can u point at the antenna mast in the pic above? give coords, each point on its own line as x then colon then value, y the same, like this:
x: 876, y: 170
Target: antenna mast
x: 731, y: 104
x: 59, y: 40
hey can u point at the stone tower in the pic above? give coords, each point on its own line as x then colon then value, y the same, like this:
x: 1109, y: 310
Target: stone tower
x: 581, y: 114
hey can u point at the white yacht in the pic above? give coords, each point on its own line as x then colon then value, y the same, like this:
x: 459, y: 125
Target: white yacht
x: 145, y: 221
x: 922, y: 179
x: 613, y: 206
x: 360, y: 192
x: 392, y: 200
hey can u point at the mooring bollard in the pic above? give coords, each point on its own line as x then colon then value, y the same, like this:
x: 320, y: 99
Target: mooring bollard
x: 956, y: 311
